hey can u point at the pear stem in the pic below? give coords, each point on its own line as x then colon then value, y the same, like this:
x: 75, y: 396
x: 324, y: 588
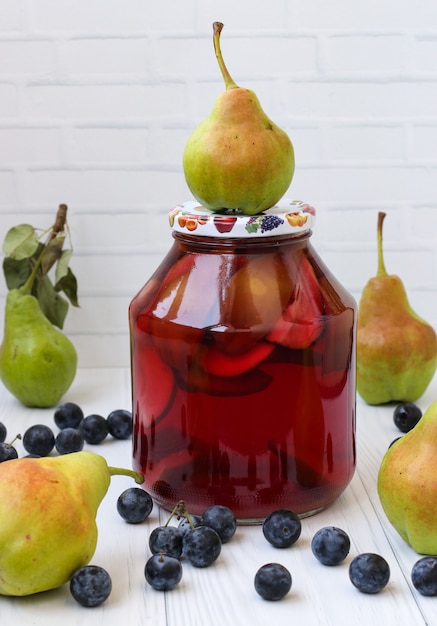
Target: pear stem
x: 229, y: 82
x: 121, y: 471
x: 58, y: 226
x: 381, y: 266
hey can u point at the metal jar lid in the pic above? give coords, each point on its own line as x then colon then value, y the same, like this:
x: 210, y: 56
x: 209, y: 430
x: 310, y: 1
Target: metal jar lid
x: 287, y: 217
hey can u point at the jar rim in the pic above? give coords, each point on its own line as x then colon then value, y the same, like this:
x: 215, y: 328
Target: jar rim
x: 286, y: 217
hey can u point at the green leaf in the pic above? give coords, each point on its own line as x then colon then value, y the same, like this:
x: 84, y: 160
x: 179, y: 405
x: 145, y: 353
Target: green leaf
x: 62, y: 266
x: 16, y: 272
x: 52, y: 304
x: 68, y: 284
x: 20, y: 242
x: 52, y: 252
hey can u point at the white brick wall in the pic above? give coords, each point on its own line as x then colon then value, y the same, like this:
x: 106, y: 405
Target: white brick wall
x: 97, y: 100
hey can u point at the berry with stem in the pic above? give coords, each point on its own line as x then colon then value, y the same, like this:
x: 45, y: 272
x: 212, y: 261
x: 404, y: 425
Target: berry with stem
x: 163, y: 572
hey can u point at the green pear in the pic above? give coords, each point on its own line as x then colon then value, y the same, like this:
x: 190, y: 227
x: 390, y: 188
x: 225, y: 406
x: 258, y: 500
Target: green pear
x: 396, y: 349
x: 237, y: 158
x: 37, y: 362
x: 48, y: 508
x: 407, y: 484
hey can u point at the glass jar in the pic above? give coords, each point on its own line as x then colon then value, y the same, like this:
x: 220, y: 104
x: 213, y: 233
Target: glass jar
x: 243, y: 367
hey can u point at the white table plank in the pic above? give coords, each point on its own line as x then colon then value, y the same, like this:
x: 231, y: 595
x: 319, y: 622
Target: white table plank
x: 224, y: 593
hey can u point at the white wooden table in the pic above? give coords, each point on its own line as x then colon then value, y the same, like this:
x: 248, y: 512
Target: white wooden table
x: 224, y: 593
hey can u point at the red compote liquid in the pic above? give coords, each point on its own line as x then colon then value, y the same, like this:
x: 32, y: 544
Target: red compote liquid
x: 243, y: 369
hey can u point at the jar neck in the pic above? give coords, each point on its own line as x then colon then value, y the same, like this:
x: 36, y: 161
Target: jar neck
x: 247, y: 245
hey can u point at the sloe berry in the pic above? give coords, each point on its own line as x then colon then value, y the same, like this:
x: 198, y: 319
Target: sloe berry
x: 94, y: 429
x: 406, y: 416
x: 330, y: 545
x: 120, y: 424
x: 3, y: 432
x: 90, y: 585
x: 163, y: 572
x: 69, y: 440
x: 273, y: 581
x: 39, y: 440
x: 221, y: 519
x: 202, y: 546
x: 68, y: 415
x: 166, y: 539
x: 134, y: 505
x: 369, y: 572
x: 282, y: 528
x: 424, y: 575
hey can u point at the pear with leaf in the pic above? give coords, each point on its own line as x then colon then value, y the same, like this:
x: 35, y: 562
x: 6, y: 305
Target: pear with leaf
x: 237, y: 158
x: 37, y: 361
x: 396, y: 348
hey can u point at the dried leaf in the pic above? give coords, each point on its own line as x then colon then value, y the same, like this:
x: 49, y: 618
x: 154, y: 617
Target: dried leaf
x: 51, y: 254
x: 62, y: 266
x: 68, y: 284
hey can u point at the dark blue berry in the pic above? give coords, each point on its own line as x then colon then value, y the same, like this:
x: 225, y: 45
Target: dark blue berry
x: 166, y: 539
x: 3, y: 432
x: 273, y: 581
x: 68, y: 415
x: 94, y: 429
x: 134, y: 505
x: 330, y: 545
x: 424, y: 575
x: 120, y: 424
x: 69, y: 440
x: 202, y: 546
x: 369, y: 572
x: 90, y: 585
x: 39, y: 440
x: 406, y: 416
x: 163, y: 572
x: 282, y: 528
x: 222, y: 520
x: 7, y: 452
x: 185, y: 525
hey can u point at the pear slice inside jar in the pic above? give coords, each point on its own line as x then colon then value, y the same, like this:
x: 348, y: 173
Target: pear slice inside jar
x: 301, y: 322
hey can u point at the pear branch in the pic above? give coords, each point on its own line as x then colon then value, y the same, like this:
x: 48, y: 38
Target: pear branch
x: 58, y: 227
x: 60, y: 221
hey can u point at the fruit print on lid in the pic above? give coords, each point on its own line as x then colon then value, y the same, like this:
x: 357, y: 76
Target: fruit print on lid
x: 284, y: 218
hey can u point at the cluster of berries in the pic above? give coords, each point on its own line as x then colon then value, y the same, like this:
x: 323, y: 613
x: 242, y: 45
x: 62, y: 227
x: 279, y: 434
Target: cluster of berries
x: 74, y: 430
x: 368, y: 572
x: 197, y: 539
